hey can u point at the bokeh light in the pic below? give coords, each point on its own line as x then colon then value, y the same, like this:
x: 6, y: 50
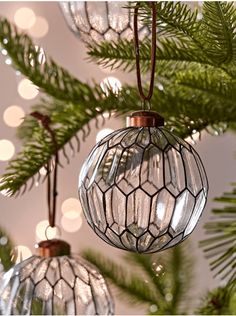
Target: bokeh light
x: 21, y: 252
x: 7, y: 149
x: 41, y: 231
x: 27, y: 90
x: 24, y: 18
x: 71, y: 222
x: 43, y: 171
x: 71, y: 205
x: 111, y: 84
x: 13, y: 116
x: 8, y: 61
x: 103, y: 133
x: 40, y: 27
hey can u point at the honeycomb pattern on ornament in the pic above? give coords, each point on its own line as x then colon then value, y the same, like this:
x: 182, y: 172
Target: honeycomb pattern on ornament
x: 54, y: 286
x: 99, y: 21
x: 143, y: 189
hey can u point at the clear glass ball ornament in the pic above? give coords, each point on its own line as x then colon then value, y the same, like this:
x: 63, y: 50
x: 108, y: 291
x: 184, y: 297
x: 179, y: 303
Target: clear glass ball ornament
x: 54, y: 285
x: 101, y: 21
x: 142, y: 188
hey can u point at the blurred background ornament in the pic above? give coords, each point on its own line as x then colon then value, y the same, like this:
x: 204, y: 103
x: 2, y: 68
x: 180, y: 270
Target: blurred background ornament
x: 54, y: 282
x: 101, y: 21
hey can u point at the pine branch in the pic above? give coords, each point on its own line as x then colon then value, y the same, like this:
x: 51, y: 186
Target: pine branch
x: 175, y: 19
x: 49, y: 77
x: 220, y: 301
x: 6, y: 251
x: 148, y: 264
x: 170, y: 52
x: 218, y: 31
x: 166, y: 276
x: 130, y: 284
x: 221, y: 248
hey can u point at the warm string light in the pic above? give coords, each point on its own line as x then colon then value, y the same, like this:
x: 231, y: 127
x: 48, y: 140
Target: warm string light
x: 27, y: 90
x: 71, y: 220
x: 13, y: 115
x: 7, y: 149
x: 25, y: 19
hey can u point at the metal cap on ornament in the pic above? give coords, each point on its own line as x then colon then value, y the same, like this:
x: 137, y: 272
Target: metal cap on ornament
x: 144, y: 119
x: 53, y: 248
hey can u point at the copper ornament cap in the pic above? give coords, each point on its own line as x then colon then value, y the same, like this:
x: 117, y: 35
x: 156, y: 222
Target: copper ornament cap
x: 144, y: 119
x: 53, y: 248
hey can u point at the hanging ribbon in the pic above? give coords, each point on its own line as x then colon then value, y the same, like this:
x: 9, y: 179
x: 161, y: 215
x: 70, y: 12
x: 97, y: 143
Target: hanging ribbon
x: 51, y: 187
x: 153, y: 52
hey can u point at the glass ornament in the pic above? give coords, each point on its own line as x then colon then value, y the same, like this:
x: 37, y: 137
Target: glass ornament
x: 101, y: 21
x: 54, y: 283
x: 142, y: 188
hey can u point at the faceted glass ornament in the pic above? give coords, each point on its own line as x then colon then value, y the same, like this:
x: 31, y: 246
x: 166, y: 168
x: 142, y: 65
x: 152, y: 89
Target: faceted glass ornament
x: 101, y: 21
x: 65, y: 285
x: 143, y: 189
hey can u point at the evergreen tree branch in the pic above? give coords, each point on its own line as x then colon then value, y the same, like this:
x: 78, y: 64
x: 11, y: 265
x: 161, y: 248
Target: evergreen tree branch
x: 6, y: 251
x: 218, y: 31
x: 170, y: 52
x: 220, y: 301
x: 166, y: 276
x: 148, y: 264
x: 221, y: 248
x: 48, y: 77
x: 130, y: 284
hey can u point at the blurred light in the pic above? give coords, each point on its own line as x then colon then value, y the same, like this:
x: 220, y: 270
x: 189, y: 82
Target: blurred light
x: 71, y: 205
x: 41, y: 231
x: 13, y: 116
x: 103, y: 133
x: 27, y: 90
x: 5, y: 41
x: 106, y: 114
x: 193, y: 138
x: 18, y: 73
x: 8, y: 61
x: 160, y: 86
x: 43, y: 171
x: 41, y: 56
x: 71, y: 224
x: 7, y: 149
x: 22, y: 253
x: 40, y: 27
x: 168, y: 297
x: 3, y: 241
x: 4, y: 51
x: 111, y: 83
x: 153, y: 308
x: 24, y: 18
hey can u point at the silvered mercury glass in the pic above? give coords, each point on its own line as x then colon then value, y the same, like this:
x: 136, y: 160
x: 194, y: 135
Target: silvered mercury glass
x: 96, y: 21
x: 143, y: 189
x: 62, y: 285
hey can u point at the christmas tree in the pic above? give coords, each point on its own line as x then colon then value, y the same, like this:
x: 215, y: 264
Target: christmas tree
x: 195, y: 68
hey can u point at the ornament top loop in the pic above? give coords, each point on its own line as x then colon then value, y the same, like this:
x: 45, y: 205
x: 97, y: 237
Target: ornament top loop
x: 144, y: 119
x: 53, y: 248
x: 47, y: 232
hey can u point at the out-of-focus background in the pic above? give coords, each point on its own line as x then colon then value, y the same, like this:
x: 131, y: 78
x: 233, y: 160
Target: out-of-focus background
x: 24, y: 218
